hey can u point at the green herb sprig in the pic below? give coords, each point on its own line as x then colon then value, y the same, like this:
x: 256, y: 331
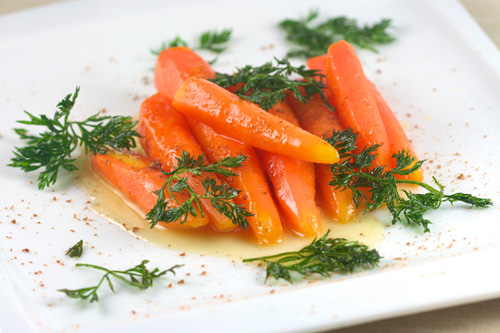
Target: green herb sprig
x: 268, y: 84
x: 314, y: 39
x: 76, y: 250
x: 356, y: 173
x: 138, y: 276
x: 51, y: 150
x: 324, y: 256
x: 212, y: 40
x: 215, y: 41
x: 220, y: 195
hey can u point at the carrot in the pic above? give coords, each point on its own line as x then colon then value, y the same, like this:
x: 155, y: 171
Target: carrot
x: 175, y: 65
x: 395, y: 133
x: 165, y: 135
x: 138, y: 178
x: 229, y: 115
x: 317, y: 118
x: 398, y: 140
x: 255, y: 194
x: 293, y: 179
x: 293, y: 182
x: 318, y: 63
x: 352, y: 97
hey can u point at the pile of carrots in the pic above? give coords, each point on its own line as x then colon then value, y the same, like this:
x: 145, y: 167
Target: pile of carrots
x: 285, y: 177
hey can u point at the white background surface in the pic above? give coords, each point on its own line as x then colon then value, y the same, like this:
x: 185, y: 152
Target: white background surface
x: 444, y: 73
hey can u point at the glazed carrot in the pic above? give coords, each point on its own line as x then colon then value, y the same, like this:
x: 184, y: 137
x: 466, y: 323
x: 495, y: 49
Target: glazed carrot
x: 395, y: 133
x: 255, y: 194
x: 317, y: 118
x: 165, y: 135
x: 137, y: 177
x: 352, y: 97
x: 291, y: 175
x: 397, y: 136
x: 318, y: 63
x: 175, y: 65
x: 293, y: 183
x: 229, y: 115
x: 292, y: 179
x: 182, y: 63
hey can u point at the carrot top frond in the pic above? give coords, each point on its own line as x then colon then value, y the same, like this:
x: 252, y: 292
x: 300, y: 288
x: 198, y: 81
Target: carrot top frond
x: 51, y: 150
x: 357, y: 173
x: 314, y: 39
x: 266, y: 85
x: 219, y: 195
x: 139, y: 276
x: 324, y: 256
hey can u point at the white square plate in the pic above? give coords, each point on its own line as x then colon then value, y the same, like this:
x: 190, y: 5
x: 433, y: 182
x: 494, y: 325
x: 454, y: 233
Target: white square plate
x: 441, y: 76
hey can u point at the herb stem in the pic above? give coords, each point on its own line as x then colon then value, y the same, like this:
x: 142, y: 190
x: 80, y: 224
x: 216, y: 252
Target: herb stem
x: 421, y: 184
x: 386, y: 181
x: 139, y: 276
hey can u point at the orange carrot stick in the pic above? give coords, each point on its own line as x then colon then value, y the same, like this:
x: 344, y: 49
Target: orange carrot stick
x: 293, y: 183
x: 395, y: 133
x: 295, y: 194
x: 293, y: 179
x: 175, y: 65
x: 138, y: 178
x: 255, y: 194
x: 318, y: 63
x: 229, y: 115
x: 398, y: 140
x: 317, y: 118
x: 165, y: 135
x: 182, y: 63
x: 352, y: 97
